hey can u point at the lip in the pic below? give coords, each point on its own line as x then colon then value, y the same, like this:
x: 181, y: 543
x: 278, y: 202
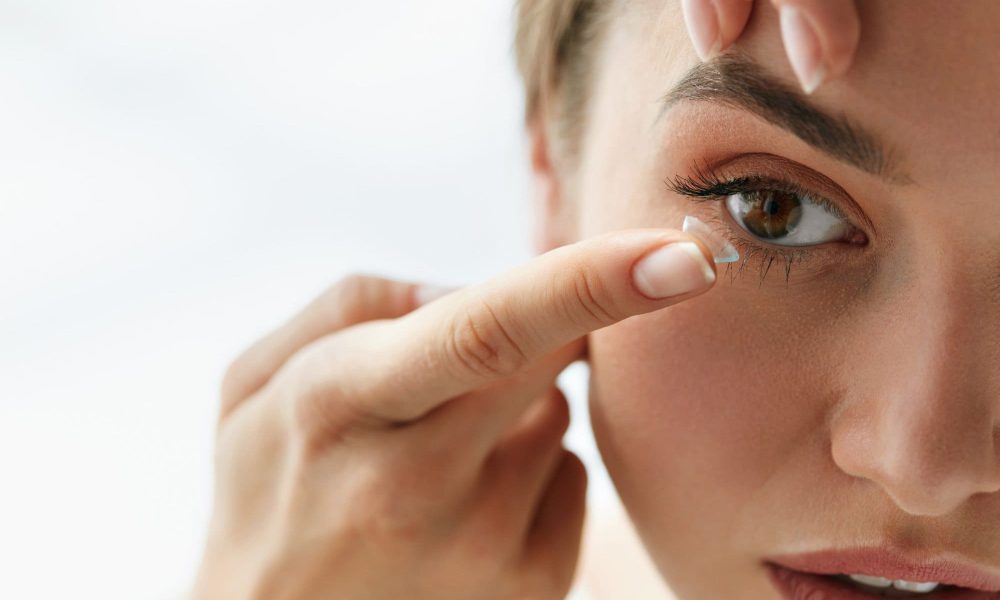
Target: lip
x: 884, y: 562
x: 797, y: 585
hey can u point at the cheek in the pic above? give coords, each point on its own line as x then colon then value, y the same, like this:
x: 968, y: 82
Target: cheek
x: 691, y: 390
x: 668, y: 388
x: 693, y: 415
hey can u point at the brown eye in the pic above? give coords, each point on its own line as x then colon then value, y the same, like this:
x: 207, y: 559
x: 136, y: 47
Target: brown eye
x: 786, y: 218
x: 771, y: 214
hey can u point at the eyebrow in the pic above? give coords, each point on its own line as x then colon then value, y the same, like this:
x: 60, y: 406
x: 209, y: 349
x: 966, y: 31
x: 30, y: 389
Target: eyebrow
x: 737, y: 81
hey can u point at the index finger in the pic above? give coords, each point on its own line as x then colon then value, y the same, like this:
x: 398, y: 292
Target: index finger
x: 493, y: 330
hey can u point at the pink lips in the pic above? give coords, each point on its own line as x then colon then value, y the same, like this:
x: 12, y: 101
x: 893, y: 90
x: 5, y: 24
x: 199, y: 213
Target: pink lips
x: 883, y: 562
x: 798, y: 585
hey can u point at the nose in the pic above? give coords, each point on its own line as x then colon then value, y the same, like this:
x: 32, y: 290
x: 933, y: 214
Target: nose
x: 920, y: 418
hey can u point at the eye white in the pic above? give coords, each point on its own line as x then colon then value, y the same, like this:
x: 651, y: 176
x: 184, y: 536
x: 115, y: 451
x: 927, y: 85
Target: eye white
x: 816, y: 225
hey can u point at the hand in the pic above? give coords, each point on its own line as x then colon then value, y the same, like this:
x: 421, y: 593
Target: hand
x: 374, y: 449
x: 820, y: 36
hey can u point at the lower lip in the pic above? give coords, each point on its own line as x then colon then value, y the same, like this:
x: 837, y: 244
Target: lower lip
x: 796, y: 585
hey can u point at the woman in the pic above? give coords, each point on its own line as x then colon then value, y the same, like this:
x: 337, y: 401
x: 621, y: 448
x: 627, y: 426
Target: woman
x: 820, y: 418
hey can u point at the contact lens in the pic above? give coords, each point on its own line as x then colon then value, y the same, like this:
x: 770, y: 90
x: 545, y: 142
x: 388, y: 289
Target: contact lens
x: 722, y: 251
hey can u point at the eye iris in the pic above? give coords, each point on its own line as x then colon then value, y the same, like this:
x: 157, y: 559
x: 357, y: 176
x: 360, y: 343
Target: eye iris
x: 770, y: 213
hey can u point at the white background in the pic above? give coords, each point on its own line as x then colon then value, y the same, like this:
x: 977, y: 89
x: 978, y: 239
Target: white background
x: 178, y: 177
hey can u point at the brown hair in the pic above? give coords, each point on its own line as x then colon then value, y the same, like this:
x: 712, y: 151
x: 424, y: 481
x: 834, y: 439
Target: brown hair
x: 555, y: 44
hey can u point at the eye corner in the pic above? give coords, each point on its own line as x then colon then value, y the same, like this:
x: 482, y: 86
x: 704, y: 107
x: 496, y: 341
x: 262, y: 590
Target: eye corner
x: 858, y: 237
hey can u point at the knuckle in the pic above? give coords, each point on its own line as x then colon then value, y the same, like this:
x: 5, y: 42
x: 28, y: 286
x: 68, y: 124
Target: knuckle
x: 240, y: 377
x: 391, y: 514
x: 349, y: 291
x: 541, y: 582
x: 232, y: 382
x: 548, y: 427
x: 360, y: 297
x: 392, y: 528
x: 483, y: 343
x: 552, y: 586
x: 591, y: 302
x: 318, y: 412
x: 560, y: 413
x: 352, y: 282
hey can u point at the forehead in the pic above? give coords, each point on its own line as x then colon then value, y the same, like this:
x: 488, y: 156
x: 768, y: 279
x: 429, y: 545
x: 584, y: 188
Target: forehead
x: 926, y: 77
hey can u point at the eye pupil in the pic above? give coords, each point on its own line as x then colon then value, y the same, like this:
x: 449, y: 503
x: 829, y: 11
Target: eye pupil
x: 771, y: 207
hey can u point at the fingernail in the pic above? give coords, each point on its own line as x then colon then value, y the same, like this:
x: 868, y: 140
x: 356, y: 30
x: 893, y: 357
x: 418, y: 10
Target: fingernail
x: 674, y: 269
x: 703, y: 26
x: 425, y: 294
x: 803, y: 48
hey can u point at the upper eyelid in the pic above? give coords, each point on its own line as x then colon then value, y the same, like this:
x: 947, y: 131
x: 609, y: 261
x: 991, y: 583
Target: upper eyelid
x: 704, y: 186
x: 755, y: 183
x: 792, y: 176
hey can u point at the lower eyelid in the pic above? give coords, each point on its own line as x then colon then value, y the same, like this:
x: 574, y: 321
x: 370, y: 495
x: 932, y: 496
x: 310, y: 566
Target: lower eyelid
x: 815, y: 264
x: 769, y: 259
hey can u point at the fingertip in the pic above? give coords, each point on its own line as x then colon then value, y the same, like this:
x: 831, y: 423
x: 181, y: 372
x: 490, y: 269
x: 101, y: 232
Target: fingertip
x: 821, y: 38
x: 839, y: 27
x: 715, y: 247
x: 572, y: 480
x: 702, y: 23
x: 803, y: 46
x: 733, y: 16
x: 546, y: 420
x: 706, y: 253
x: 673, y: 271
x: 555, y: 539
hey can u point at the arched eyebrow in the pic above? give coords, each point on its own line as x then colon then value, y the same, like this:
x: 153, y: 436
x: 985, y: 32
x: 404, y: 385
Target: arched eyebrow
x: 735, y: 80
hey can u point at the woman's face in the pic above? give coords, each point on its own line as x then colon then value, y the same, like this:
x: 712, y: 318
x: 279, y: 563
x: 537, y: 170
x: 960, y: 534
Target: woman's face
x: 827, y: 396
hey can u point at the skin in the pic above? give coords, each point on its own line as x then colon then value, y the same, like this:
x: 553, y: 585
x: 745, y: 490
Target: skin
x: 856, y: 404
x: 381, y: 446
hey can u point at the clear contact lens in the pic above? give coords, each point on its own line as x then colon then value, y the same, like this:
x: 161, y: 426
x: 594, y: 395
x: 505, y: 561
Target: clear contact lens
x: 722, y: 251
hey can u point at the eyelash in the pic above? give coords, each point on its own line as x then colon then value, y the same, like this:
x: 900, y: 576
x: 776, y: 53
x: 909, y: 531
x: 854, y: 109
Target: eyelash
x: 704, y: 186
